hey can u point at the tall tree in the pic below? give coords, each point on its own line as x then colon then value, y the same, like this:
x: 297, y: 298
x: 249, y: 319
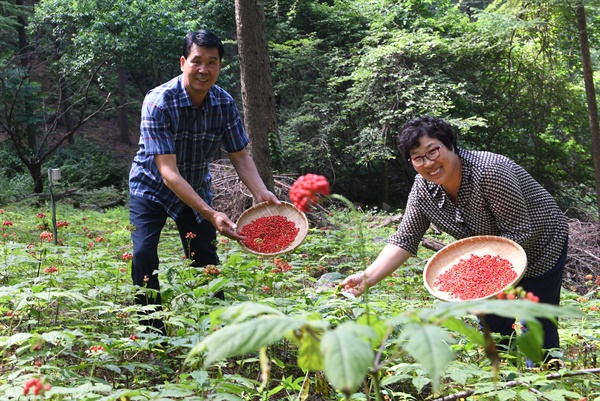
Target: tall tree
x: 256, y: 82
x: 588, y: 77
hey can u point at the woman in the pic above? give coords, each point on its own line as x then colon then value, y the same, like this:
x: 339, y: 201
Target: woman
x: 466, y: 193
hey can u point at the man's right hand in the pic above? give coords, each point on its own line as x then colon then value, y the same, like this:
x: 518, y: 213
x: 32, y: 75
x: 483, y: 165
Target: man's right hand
x: 225, y: 226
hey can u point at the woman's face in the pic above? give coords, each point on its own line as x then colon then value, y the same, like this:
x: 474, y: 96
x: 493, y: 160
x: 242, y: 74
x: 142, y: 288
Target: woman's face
x: 444, y: 169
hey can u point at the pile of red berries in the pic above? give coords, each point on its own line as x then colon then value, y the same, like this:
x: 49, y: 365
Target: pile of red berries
x: 269, y: 234
x: 305, y: 190
x: 476, y: 277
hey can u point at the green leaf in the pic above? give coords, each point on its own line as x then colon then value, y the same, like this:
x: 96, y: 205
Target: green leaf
x: 506, y: 395
x: 242, y: 311
x: 472, y: 333
x: 347, y: 357
x: 309, y: 354
x: 420, y: 382
x: 380, y: 327
x: 429, y: 346
x: 242, y: 338
x: 531, y: 341
x: 15, y: 339
x: 526, y: 395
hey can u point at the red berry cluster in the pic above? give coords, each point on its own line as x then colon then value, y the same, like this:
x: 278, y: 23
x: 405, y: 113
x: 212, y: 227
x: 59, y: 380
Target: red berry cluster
x: 37, y: 385
x: 96, y: 348
x: 476, y: 277
x: 517, y: 293
x: 281, y: 266
x: 51, y: 269
x: 305, y: 190
x: 269, y: 234
x: 211, y: 270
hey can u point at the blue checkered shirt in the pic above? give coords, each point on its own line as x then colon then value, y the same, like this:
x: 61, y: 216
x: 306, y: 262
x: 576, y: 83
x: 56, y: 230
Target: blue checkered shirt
x: 172, y: 125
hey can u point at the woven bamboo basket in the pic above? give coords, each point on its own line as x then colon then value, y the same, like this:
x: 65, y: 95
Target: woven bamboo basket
x: 479, y: 245
x: 286, y: 210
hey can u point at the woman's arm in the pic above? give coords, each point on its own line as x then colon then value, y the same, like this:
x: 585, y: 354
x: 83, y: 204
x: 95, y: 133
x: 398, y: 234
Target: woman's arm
x: 390, y: 258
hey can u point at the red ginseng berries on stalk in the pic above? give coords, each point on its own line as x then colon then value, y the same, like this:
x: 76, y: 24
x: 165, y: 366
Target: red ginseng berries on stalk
x: 305, y: 190
x: 476, y: 277
x: 269, y: 234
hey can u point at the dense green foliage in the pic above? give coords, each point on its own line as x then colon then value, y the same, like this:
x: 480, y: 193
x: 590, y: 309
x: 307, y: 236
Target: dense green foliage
x: 283, y: 330
x: 347, y: 75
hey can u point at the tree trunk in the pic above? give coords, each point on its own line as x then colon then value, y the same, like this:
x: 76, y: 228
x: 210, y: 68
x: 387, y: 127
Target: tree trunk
x: 35, y: 170
x: 123, y: 118
x: 64, y: 106
x: 257, y: 85
x: 588, y: 77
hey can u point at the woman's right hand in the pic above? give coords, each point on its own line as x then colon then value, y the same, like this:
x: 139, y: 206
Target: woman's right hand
x: 355, y: 284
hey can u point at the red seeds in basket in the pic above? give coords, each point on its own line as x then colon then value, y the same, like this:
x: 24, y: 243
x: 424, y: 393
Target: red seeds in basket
x: 476, y: 277
x: 269, y: 234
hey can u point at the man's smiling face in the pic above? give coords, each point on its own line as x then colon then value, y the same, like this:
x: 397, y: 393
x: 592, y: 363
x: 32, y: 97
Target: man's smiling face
x: 200, y: 71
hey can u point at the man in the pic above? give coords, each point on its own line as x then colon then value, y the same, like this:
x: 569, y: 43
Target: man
x: 184, y: 121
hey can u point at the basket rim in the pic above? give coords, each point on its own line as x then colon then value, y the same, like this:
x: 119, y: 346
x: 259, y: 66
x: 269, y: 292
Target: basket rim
x: 284, y: 209
x: 520, y: 268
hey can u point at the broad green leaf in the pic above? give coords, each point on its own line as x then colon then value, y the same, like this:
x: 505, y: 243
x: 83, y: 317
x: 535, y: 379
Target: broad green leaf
x: 242, y: 338
x: 175, y: 391
x: 519, y: 309
x: 89, y: 388
x: 459, y: 326
x: 242, y: 311
x: 562, y: 394
x: 429, y: 346
x: 309, y: 354
x: 347, y: 356
x: 420, y: 382
x: 526, y: 395
x: 507, y: 395
x: 531, y: 341
x: 380, y: 327
x: 15, y: 339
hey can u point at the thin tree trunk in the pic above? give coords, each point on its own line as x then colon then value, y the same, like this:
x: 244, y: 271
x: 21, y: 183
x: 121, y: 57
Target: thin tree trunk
x: 64, y: 106
x: 257, y: 85
x: 588, y: 78
x: 123, y: 118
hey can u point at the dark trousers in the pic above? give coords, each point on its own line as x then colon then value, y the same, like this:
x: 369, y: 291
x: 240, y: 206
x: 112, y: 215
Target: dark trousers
x: 148, y: 219
x: 547, y: 287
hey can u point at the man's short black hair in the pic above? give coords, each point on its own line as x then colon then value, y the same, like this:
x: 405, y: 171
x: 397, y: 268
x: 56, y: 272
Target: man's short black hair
x: 202, y: 38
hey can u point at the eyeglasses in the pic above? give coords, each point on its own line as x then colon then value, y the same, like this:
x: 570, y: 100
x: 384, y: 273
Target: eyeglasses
x: 432, y: 155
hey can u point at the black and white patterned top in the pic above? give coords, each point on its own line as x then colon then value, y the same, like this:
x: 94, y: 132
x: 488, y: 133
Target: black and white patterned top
x: 496, y: 197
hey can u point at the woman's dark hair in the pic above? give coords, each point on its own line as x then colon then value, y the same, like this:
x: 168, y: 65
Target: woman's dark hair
x: 202, y: 38
x: 410, y: 136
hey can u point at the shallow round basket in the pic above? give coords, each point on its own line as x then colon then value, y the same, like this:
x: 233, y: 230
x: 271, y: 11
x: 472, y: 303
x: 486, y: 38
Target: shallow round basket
x: 462, y: 249
x: 286, y: 210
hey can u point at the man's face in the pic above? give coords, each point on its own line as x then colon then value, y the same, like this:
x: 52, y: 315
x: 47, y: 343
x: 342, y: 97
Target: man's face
x: 200, y: 71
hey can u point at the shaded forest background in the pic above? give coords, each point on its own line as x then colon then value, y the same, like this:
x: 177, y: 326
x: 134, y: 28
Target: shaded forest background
x: 346, y: 76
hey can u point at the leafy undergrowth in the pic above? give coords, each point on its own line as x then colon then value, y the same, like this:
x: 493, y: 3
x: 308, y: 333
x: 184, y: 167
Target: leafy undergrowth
x: 283, y: 331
